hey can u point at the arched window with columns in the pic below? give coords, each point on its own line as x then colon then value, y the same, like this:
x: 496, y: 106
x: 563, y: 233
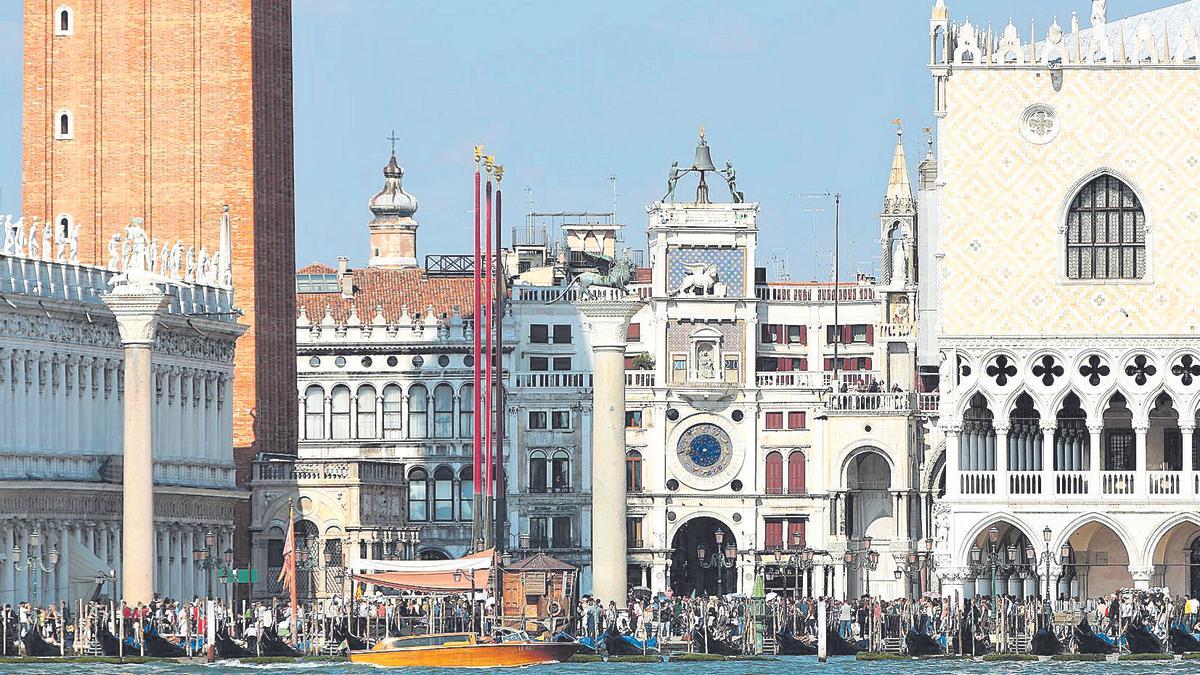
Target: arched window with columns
x: 314, y: 412
x: 466, y: 494
x: 418, y: 495
x: 418, y: 412
x: 466, y: 411
x: 443, y: 411
x: 443, y: 494
x: 365, y: 413
x: 393, y: 411
x: 339, y: 412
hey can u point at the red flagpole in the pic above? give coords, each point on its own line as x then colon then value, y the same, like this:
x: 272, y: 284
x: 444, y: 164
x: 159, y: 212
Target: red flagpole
x: 476, y: 392
x: 488, y: 265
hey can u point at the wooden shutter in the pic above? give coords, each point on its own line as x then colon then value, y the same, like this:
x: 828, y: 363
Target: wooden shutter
x: 796, y: 469
x: 870, y: 334
x: 847, y: 334
x: 774, y: 473
x: 774, y: 534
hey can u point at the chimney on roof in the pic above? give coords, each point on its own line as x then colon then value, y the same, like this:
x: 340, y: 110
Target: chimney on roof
x: 345, y: 278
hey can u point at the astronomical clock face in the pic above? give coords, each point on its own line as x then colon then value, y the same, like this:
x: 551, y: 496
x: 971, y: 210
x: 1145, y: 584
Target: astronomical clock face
x: 705, y: 449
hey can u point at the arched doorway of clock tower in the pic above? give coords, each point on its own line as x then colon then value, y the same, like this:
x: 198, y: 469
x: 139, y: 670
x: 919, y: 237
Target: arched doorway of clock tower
x: 698, y: 563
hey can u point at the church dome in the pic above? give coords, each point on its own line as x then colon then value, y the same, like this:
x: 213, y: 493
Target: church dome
x: 392, y: 202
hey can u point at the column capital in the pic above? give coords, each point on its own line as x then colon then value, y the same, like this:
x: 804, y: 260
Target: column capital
x: 137, y: 309
x: 606, y: 321
x: 1095, y: 428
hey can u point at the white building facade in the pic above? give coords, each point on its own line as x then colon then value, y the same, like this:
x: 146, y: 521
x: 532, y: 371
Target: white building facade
x: 62, y: 399
x: 1067, y: 340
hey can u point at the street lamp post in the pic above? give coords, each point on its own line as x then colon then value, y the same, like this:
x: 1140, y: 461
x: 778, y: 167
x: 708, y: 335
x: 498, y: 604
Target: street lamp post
x: 206, y: 560
x: 916, y: 565
x: 721, y: 560
x: 799, y: 562
x: 861, y: 558
x: 998, y: 559
x: 34, y: 561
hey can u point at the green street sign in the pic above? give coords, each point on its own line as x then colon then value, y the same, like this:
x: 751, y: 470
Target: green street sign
x: 245, y: 576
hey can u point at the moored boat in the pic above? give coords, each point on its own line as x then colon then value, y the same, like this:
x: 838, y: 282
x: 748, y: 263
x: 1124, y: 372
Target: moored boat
x: 462, y: 650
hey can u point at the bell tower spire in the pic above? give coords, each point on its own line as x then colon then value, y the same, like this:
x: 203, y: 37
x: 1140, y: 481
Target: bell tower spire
x: 393, y: 229
x: 898, y: 221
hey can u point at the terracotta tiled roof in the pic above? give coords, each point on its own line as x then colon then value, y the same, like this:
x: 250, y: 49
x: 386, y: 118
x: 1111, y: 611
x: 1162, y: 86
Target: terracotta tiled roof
x: 394, y: 290
x: 316, y: 268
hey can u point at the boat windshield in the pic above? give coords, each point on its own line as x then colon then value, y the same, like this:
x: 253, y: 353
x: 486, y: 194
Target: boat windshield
x: 437, y: 640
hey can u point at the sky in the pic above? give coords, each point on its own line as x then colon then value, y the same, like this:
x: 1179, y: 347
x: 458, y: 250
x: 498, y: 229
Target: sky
x: 799, y: 94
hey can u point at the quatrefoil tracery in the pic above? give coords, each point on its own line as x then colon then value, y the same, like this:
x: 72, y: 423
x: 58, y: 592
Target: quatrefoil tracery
x: 1001, y: 370
x: 1048, y: 370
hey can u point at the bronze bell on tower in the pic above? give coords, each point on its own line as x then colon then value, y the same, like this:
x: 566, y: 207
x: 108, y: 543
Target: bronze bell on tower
x: 703, y: 160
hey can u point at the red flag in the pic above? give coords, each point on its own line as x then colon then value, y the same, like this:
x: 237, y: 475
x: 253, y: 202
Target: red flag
x: 287, y: 574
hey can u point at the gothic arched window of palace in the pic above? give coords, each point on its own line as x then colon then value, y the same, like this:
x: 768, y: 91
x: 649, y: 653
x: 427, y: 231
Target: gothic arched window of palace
x: 1106, y: 232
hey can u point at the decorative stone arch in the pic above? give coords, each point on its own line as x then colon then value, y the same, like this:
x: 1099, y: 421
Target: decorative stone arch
x: 1065, y: 208
x: 1103, y: 399
x: 964, y: 402
x: 695, y: 515
x: 860, y: 447
x: 1064, y: 533
x: 980, y: 525
x: 1009, y: 405
x: 933, y: 467
x: 1060, y: 399
x: 1163, y: 529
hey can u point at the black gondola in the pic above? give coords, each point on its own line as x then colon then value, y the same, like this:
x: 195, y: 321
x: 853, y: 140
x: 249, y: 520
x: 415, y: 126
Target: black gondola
x: 340, y: 635
x: 836, y: 645
x: 36, y: 645
x: 922, y: 644
x: 9, y: 647
x: 270, y: 645
x: 1045, y: 643
x: 790, y: 645
x: 109, y: 644
x: 563, y: 636
x: 1141, y: 641
x: 701, y: 641
x: 625, y: 645
x: 1181, y: 641
x: 1087, y: 642
x: 157, y: 645
x: 227, y: 648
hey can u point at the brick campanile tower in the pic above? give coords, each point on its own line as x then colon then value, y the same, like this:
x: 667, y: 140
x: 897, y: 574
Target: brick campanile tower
x: 167, y: 110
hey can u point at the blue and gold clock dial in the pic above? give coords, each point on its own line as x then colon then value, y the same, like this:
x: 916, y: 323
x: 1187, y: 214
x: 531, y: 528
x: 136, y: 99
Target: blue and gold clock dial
x: 704, y: 449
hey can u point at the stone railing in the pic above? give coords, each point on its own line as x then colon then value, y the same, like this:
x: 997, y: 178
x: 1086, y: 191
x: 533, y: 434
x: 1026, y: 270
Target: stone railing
x: 303, y: 471
x: 814, y: 294
x: 548, y: 294
x: 639, y: 379
x: 789, y: 379
x: 51, y: 280
x: 894, y: 330
x: 871, y: 403
x: 107, y: 469
x: 551, y: 379
x: 977, y: 482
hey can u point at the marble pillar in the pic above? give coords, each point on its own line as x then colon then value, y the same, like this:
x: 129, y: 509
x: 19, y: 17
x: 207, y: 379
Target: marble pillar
x: 137, y: 308
x: 605, y: 322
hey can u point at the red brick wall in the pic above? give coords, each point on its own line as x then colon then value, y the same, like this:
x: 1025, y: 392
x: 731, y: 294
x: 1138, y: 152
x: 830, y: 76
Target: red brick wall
x: 180, y: 106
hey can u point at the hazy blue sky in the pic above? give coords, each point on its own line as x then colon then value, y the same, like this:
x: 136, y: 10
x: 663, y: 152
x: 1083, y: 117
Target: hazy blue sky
x: 798, y: 94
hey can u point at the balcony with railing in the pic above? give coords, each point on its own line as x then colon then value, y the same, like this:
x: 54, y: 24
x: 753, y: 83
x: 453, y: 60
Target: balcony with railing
x: 553, y: 379
x: 1079, y: 485
x: 789, y: 380
x: 639, y: 379
x: 869, y: 403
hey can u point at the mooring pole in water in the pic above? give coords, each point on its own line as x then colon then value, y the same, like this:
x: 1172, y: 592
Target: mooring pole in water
x: 822, y: 639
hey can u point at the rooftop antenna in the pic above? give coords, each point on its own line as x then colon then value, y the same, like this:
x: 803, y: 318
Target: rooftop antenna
x: 779, y: 265
x: 814, y: 210
x: 613, y: 180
